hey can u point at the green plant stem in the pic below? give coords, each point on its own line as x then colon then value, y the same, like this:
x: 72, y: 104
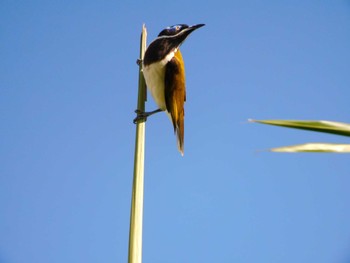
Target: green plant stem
x: 136, y: 215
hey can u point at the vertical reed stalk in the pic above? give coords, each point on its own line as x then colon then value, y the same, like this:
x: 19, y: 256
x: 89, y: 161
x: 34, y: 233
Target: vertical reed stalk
x: 136, y: 215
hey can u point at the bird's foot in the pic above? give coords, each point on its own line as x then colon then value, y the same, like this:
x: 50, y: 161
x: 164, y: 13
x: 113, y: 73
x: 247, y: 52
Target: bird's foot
x: 139, y: 62
x: 142, y: 115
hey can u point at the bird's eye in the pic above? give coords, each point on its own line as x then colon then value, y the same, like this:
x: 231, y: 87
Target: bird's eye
x: 174, y: 29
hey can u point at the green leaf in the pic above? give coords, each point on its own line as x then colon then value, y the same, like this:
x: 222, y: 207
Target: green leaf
x: 338, y: 128
x: 315, y: 147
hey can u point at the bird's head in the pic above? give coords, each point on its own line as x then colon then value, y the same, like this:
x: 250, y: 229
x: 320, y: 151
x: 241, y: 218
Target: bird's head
x: 168, y: 39
x: 179, y: 30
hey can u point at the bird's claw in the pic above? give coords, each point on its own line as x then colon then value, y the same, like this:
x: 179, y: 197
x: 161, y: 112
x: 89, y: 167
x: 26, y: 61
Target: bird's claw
x: 141, y: 116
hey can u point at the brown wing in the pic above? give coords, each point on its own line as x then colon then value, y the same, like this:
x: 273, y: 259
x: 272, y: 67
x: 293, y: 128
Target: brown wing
x: 175, y: 95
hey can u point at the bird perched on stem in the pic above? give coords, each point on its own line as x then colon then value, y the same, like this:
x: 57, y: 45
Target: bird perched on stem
x: 164, y: 72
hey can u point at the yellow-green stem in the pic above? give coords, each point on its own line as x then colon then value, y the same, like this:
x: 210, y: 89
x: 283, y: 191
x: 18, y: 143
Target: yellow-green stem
x: 136, y: 215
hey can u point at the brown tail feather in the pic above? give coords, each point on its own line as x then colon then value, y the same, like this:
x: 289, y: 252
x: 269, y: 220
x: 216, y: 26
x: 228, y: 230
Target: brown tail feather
x: 180, y: 133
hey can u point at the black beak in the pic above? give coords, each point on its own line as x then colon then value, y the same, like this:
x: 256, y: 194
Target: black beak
x: 197, y: 26
x: 194, y: 27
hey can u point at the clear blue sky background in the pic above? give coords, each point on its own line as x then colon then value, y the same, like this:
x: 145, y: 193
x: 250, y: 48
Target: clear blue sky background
x: 68, y: 88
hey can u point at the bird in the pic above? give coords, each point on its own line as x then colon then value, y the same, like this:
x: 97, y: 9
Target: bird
x: 164, y: 73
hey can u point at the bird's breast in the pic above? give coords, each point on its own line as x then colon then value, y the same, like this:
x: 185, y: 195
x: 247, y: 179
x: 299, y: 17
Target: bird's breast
x: 154, y: 76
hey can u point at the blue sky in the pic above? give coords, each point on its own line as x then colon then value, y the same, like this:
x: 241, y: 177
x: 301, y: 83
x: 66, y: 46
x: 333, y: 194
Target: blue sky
x: 68, y: 91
